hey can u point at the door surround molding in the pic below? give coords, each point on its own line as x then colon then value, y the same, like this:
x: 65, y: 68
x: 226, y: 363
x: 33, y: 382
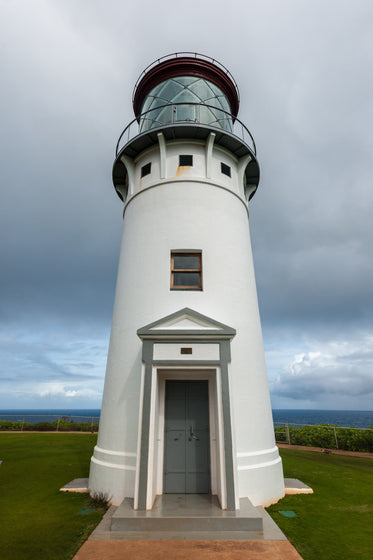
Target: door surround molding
x: 208, y: 342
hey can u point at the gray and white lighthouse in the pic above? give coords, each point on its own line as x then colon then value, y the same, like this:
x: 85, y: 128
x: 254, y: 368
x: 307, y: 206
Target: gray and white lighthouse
x: 186, y: 406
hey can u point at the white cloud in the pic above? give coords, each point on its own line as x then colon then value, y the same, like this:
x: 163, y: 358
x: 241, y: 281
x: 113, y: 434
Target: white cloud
x: 337, y: 372
x: 58, y: 389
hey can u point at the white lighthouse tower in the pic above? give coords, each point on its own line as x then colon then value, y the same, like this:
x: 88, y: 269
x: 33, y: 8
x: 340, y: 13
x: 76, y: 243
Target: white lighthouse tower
x: 186, y: 406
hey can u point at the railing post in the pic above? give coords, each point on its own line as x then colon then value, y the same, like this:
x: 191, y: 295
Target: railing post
x: 58, y: 424
x: 287, y: 432
x: 23, y: 421
x: 335, y: 436
x: 92, y: 425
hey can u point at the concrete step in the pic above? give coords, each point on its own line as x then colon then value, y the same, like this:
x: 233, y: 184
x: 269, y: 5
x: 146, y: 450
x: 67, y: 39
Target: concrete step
x: 186, y: 512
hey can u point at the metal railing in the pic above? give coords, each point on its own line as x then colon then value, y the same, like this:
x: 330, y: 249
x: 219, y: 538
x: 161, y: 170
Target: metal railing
x: 234, y: 125
x: 323, y: 435
x: 48, y: 422
x: 311, y: 435
x: 189, y: 55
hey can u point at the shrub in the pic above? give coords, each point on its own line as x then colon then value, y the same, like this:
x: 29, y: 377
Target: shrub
x: 9, y: 425
x: 322, y: 435
x: 41, y: 427
x: 100, y: 499
x: 67, y: 426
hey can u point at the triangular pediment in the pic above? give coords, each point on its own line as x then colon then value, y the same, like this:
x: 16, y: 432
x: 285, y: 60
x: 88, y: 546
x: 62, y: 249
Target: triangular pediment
x: 186, y: 322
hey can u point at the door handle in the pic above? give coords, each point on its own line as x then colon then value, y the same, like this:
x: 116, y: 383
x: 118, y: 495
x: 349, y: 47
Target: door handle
x: 192, y: 435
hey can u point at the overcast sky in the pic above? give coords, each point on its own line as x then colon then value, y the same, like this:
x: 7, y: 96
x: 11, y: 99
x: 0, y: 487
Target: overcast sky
x: 305, y: 73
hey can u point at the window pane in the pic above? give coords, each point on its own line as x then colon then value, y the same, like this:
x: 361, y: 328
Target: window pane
x: 185, y: 80
x: 185, y: 112
x: 170, y: 89
x: 201, y: 89
x: 186, y: 279
x: 164, y: 116
x: 186, y: 160
x: 186, y: 96
x: 181, y: 261
x: 214, y: 102
x: 147, y: 103
x: 215, y: 89
x: 225, y: 169
x: 146, y: 169
x: 207, y: 115
x: 157, y: 102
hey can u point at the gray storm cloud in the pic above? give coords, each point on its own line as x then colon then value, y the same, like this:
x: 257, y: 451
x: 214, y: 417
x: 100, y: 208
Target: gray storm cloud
x: 68, y: 69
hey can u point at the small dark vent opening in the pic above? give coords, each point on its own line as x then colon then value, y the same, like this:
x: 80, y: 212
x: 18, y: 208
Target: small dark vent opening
x: 225, y: 169
x: 186, y: 160
x: 146, y: 169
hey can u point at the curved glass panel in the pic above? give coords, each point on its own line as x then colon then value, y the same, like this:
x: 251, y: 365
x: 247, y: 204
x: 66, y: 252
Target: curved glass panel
x: 186, y: 80
x: 186, y: 113
x: 202, y: 89
x: 170, y: 89
x: 193, y: 94
x: 186, y: 96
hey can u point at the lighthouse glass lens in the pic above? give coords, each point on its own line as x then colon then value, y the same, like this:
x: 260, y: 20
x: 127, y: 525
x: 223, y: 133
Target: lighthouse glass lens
x: 183, y: 263
x: 188, y: 99
x: 186, y: 279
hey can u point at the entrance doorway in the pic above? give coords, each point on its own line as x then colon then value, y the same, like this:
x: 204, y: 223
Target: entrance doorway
x: 187, y: 438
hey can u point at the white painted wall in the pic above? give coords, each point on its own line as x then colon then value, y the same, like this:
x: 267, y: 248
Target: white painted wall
x: 186, y: 210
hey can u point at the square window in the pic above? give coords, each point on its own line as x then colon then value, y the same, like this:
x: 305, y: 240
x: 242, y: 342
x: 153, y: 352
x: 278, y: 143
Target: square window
x: 146, y: 169
x: 186, y: 271
x: 225, y: 169
x: 185, y: 161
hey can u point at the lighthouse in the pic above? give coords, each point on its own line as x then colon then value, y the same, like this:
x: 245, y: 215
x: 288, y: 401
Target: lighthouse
x: 186, y: 407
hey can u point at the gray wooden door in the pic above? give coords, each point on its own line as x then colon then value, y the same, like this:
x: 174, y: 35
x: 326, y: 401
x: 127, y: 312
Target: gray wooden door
x: 187, y: 438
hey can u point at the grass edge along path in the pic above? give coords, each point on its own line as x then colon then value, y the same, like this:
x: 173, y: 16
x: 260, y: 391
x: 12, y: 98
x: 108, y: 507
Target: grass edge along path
x: 36, y: 519
x: 333, y: 523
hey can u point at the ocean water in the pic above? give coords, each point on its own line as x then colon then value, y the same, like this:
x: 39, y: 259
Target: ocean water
x: 348, y: 418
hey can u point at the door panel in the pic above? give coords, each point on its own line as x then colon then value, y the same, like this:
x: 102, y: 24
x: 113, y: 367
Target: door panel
x: 187, y: 438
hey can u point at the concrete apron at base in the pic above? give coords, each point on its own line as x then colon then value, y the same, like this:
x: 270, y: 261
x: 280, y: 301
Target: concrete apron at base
x: 186, y: 512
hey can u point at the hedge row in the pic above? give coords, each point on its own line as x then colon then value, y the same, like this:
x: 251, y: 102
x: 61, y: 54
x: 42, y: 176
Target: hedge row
x: 324, y: 435
x: 61, y: 425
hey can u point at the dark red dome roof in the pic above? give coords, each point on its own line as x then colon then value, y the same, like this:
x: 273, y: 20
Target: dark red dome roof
x: 184, y: 64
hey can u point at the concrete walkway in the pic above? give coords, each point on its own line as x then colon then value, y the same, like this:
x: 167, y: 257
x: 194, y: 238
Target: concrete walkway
x: 176, y: 543
x: 186, y: 550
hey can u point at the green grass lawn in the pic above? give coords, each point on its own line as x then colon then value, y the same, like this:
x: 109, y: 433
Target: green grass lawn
x: 336, y: 522
x: 37, y: 522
